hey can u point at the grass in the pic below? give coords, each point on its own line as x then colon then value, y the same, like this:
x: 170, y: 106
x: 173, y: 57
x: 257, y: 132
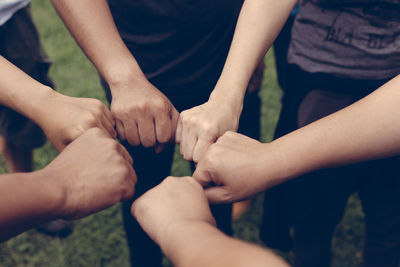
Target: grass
x: 99, y: 239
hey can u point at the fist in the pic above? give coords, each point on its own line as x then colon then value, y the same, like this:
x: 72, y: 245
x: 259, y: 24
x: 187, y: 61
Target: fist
x: 201, y: 126
x: 232, y: 169
x: 175, y: 200
x: 143, y: 115
x: 94, y: 172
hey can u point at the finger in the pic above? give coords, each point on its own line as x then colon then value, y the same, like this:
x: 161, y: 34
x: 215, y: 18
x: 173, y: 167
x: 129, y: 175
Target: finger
x: 218, y: 194
x: 120, y: 130
x: 125, y: 154
x: 109, y: 127
x: 108, y: 115
x: 174, y: 122
x: 146, y: 132
x: 163, y: 127
x: 202, y: 176
x: 200, y: 148
x: 188, y: 142
x: 178, y: 132
x: 132, y: 133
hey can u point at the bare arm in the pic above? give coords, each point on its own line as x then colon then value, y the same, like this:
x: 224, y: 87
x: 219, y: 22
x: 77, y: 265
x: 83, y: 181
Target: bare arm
x: 143, y: 114
x: 27, y: 199
x: 259, y: 23
x: 61, y: 117
x: 177, y: 216
x: 92, y: 173
x: 366, y: 130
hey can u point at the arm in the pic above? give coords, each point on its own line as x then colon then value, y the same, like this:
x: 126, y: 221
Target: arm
x: 259, y: 23
x: 143, y: 114
x: 366, y: 130
x: 91, y: 174
x: 62, y: 118
x: 176, y: 213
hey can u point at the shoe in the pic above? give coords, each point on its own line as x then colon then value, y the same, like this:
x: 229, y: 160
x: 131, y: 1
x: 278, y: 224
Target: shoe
x: 58, y: 228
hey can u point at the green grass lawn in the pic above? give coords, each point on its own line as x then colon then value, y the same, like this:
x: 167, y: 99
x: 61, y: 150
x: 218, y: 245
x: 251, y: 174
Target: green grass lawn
x: 99, y: 239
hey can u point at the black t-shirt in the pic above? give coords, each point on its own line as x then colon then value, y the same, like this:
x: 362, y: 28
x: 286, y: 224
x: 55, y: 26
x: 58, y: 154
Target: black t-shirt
x: 180, y: 45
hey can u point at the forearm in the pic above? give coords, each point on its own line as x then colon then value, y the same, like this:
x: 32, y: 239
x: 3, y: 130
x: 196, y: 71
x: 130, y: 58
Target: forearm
x: 26, y: 200
x: 196, y: 243
x: 92, y: 25
x: 259, y: 23
x: 20, y: 92
x: 366, y: 130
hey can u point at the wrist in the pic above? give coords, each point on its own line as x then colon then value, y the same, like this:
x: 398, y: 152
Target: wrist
x: 55, y: 192
x: 173, y: 241
x: 277, y: 168
x: 123, y: 75
x: 41, y: 105
x: 228, y: 97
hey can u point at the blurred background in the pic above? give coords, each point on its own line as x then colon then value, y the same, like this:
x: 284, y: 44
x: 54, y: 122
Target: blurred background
x: 99, y: 239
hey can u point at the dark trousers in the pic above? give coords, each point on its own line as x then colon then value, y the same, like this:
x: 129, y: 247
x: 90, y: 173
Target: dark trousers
x: 152, y: 168
x: 314, y: 203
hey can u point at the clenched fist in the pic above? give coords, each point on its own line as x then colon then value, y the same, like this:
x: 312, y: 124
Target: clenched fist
x: 143, y: 115
x: 236, y: 167
x: 199, y: 127
x: 64, y: 118
x: 176, y: 201
x: 92, y: 173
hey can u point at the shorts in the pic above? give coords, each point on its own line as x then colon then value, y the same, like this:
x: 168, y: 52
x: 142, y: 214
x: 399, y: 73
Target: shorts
x: 20, y: 44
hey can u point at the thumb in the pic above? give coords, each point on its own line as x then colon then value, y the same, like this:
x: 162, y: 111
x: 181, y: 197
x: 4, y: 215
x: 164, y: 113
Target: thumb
x: 217, y: 195
x: 201, y: 176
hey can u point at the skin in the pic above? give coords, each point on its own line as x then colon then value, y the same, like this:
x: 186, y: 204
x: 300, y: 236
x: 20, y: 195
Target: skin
x: 176, y: 213
x: 144, y: 116
x: 258, y: 25
x: 366, y: 130
x: 92, y: 173
x: 61, y: 117
x: 201, y: 126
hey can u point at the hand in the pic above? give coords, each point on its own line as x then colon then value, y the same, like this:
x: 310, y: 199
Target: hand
x: 92, y: 173
x: 199, y: 127
x: 174, y: 201
x: 143, y: 114
x: 233, y: 169
x: 65, y: 118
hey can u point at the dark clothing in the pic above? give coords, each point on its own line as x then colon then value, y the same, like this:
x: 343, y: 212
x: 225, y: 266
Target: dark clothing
x: 357, y: 41
x: 181, y: 46
x: 20, y: 44
x: 314, y: 203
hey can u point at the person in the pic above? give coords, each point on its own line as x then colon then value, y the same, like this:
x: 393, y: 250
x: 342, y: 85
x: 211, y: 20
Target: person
x: 19, y: 136
x: 339, y: 53
x: 62, y: 118
x: 92, y: 173
x: 158, y: 59
x: 335, y: 67
x: 346, y: 137
x: 365, y: 131
x: 339, y: 139
x: 192, y: 223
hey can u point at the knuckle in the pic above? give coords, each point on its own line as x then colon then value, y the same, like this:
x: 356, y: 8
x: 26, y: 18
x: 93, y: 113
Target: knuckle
x: 160, y: 105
